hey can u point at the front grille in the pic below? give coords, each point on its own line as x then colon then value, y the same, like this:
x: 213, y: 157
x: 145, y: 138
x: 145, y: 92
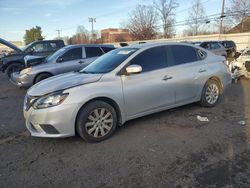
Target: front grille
x: 29, y: 101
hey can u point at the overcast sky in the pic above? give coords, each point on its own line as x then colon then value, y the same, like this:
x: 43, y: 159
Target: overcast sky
x: 18, y: 15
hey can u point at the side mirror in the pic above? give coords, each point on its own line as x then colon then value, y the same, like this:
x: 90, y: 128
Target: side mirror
x: 59, y: 60
x: 31, y: 51
x: 133, y: 69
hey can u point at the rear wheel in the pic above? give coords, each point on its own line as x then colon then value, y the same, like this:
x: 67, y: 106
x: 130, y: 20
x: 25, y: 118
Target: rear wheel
x: 14, y: 67
x: 41, y: 77
x: 96, y: 121
x: 211, y: 94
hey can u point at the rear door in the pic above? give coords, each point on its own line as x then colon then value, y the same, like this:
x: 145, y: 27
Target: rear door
x: 71, y: 60
x: 187, y: 71
x: 151, y: 89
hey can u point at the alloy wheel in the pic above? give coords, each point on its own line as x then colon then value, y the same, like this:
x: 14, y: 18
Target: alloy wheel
x: 99, y: 122
x: 212, y: 94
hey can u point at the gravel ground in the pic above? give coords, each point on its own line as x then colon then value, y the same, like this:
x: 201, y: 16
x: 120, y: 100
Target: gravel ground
x: 167, y: 149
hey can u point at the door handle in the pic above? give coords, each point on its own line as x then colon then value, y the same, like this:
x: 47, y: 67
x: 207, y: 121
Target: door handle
x: 81, y: 62
x: 202, y: 70
x: 166, y: 77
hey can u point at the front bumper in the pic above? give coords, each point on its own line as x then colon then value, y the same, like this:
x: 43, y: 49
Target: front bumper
x: 54, y: 122
x: 21, y: 80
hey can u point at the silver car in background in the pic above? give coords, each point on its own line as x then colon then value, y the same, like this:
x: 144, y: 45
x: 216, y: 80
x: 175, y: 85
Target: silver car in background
x: 215, y: 47
x: 124, y: 84
x: 67, y: 59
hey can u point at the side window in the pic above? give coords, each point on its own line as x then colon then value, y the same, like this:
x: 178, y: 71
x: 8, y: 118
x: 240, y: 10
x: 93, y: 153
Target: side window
x: 93, y: 51
x: 39, y: 47
x: 107, y: 49
x: 205, y: 45
x: 201, y: 54
x: 183, y: 54
x: 214, y: 45
x: 151, y: 59
x: 72, y: 54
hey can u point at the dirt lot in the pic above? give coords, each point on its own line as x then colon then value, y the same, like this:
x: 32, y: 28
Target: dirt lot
x: 167, y: 149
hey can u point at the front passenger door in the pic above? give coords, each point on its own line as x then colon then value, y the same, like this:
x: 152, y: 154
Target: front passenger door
x: 71, y: 60
x: 151, y: 89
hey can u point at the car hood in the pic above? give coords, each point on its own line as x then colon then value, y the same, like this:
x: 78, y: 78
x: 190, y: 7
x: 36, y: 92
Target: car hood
x: 10, y: 45
x: 61, y: 82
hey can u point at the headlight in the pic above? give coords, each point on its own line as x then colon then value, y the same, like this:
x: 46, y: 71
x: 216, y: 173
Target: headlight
x: 26, y: 71
x: 50, y: 100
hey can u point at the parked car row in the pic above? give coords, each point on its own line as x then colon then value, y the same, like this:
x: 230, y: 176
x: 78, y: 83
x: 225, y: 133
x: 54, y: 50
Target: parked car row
x: 223, y: 48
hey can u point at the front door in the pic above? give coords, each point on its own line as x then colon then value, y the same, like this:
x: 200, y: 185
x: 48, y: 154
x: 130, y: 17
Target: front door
x: 151, y: 89
x: 71, y: 60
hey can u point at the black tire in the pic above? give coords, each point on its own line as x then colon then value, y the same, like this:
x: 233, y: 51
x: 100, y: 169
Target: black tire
x: 204, y: 99
x: 83, y: 119
x: 13, y: 67
x: 41, y: 77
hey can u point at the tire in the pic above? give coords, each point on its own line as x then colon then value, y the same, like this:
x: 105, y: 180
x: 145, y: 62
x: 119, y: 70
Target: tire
x: 91, y: 127
x: 41, y: 77
x: 13, y: 67
x: 212, y: 87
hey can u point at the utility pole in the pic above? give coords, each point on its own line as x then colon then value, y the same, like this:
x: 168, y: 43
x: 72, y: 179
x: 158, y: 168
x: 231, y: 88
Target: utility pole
x: 222, y: 16
x: 92, y: 20
x: 58, y: 33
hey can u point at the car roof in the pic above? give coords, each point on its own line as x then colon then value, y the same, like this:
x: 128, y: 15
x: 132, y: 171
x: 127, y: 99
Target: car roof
x: 155, y: 44
x: 89, y: 45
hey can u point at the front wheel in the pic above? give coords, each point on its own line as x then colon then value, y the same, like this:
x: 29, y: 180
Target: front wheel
x: 96, y: 121
x: 211, y: 94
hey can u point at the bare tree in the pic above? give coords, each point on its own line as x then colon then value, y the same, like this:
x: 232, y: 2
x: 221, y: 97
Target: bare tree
x: 238, y: 11
x: 82, y: 36
x: 142, y: 23
x: 165, y: 9
x: 196, y: 18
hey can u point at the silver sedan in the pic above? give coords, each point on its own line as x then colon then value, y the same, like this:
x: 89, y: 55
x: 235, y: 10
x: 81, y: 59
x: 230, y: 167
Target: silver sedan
x: 124, y: 84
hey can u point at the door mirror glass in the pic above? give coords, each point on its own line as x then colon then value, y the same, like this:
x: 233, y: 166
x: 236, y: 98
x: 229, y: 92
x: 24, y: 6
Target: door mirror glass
x: 133, y: 69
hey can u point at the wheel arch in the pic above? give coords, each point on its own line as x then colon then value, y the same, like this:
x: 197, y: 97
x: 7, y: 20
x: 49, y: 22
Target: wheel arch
x: 108, y: 100
x: 40, y: 74
x: 218, y: 80
x: 5, y: 66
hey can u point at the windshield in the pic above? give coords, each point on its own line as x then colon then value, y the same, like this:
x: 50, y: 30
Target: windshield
x: 109, y: 61
x: 26, y: 47
x: 55, y: 55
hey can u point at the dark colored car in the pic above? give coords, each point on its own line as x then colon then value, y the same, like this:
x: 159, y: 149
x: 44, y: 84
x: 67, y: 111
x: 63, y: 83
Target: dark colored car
x: 230, y: 47
x: 15, y: 61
